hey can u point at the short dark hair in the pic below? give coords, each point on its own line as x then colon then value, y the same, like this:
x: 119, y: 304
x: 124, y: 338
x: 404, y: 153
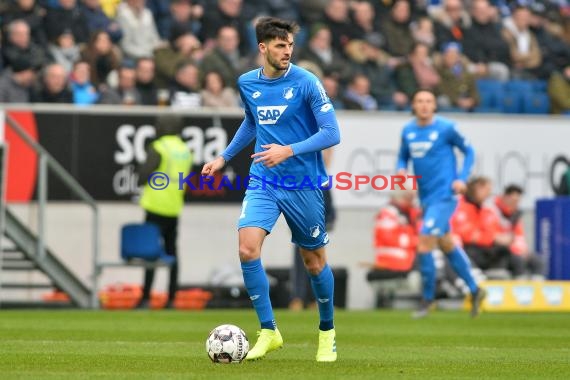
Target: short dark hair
x: 422, y: 90
x: 270, y: 28
x: 513, y: 189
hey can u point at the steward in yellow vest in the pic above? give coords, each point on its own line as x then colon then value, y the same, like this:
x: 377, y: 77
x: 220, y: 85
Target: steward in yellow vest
x: 161, y: 199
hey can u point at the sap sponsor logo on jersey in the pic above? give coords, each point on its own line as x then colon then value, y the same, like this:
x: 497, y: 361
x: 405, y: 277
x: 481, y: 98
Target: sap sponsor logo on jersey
x: 418, y: 149
x: 270, y: 114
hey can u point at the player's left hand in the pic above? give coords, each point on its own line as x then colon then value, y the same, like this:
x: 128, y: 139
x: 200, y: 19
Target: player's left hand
x: 274, y: 154
x: 459, y: 187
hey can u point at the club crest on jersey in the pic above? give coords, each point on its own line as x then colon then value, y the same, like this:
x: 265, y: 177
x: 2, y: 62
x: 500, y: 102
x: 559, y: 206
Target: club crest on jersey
x: 270, y: 114
x: 288, y: 93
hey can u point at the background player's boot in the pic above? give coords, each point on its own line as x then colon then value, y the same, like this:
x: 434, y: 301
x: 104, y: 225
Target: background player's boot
x: 476, y: 301
x: 327, y: 346
x: 267, y: 341
x: 423, y: 309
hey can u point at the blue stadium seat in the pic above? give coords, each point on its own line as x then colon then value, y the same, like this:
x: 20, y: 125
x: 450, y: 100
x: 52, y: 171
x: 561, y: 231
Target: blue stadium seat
x: 143, y: 241
x: 536, y: 103
x: 519, y: 86
x: 512, y: 102
x: 539, y: 86
x: 489, y: 85
x: 490, y: 95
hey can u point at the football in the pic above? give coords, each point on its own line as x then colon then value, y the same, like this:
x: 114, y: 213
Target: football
x: 227, y: 344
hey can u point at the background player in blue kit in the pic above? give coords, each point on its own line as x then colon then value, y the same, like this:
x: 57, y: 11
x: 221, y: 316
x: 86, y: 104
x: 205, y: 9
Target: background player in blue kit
x: 290, y: 117
x: 429, y: 141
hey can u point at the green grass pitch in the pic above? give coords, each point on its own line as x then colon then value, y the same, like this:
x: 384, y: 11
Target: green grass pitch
x: 371, y: 345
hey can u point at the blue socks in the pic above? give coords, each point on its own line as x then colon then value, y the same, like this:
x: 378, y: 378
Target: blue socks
x: 257, y: 287
x: 460, y: 264
x: 323, y: 287
x: 427, y: 269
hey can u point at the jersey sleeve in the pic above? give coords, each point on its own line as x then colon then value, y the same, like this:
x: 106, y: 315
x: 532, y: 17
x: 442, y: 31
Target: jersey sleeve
x: 245, y: 134
x: 329, y: 133
x: 403, y: 155
x: 459, y: 141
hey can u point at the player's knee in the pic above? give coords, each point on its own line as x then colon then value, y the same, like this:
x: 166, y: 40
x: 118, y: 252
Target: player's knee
x: 314, y: 264
x: 446, y: 243
x: 314, y: 268
x: 248, y: 252
x: 426, y: 243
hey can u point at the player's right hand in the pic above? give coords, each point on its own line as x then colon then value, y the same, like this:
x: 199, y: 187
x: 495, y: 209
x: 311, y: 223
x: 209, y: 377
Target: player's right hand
x: 402, y: 172
x: 213, y: 166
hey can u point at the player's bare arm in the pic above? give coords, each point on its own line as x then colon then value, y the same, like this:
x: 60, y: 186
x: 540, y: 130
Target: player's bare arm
x: 273, y: 155
x: 213, y: 166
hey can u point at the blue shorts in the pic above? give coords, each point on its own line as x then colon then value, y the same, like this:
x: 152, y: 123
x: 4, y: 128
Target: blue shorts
x: 304, y: 212
x: 437, y: 216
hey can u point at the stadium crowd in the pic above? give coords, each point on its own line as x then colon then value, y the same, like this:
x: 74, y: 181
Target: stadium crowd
x: 369, y: 54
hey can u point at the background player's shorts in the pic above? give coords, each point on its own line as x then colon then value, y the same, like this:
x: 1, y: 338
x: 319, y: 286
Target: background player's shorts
x: 304, y: 212
x: 437, y: 216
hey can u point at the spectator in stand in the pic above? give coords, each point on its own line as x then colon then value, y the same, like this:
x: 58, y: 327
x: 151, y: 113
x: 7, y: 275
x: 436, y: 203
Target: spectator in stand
x: 169, y: 14
x: 215, y: 93
x: 525, y: 53
x: 396, y: 233
x: 145, y: 73
x: 484, y: 44
x: 320, y: 51
x: 457, y: 87
x: 64, y: 51
x: 32, y: 13
x: 226, y: 13
x: 19, y: 46
x: 337, y: 18
x: 103, y: 57
x: 126, y: 92
x: 183, y: 47
x: 140, y: 36
x: 423, y: 32
x: 522, y: 262
x: 451, y: 22
x: 396, y: 29
x: 312, y: 11
x: 84, y: 93
x: 225, y: 59
x: 67, y: 16
x: 418, y: 72
x: 555, y: 51
x: 283, y: 9
x: 357, y: 96
x: 365, y: 23
x: 559, y: 91
x: 16, y: 83
x: 332, y: 89
x: 185, y: 91
x: 54, y: 86
x: 375, y: 64
x: 474, y: 225
x: 98, y: 20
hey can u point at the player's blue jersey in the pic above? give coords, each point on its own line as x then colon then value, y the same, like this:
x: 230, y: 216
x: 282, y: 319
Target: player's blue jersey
x: 283, y: 111
x: 430, y: 149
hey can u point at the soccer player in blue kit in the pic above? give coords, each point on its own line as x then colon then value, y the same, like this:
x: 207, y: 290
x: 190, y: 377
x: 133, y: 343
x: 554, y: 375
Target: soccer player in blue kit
x: 291, y: 118
x: 429, y: 141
